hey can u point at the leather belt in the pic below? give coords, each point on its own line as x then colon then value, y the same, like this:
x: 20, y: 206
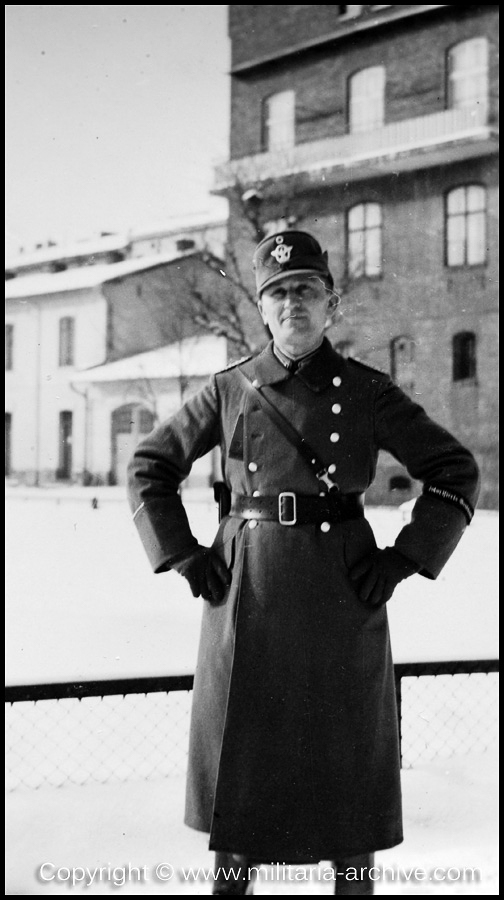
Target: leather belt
x: 289, y: 508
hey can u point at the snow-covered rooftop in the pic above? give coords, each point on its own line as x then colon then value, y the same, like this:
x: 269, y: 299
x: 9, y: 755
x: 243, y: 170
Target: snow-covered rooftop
x: 196, y: 356
x: 83, y: 277
x: 108, y: 243
x: 103, y: 244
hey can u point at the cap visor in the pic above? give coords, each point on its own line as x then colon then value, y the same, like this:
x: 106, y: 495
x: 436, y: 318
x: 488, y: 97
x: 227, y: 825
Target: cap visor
x: 285, y: 274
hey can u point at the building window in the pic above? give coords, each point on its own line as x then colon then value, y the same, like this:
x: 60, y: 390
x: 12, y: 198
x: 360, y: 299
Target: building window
x: 468, y: 75
x: 129, y: 422
x: 367, y: 100
x: 399, y: 483
x: 402, y: 362
x: 65, y: 445
x: 349, y: 12
x: 8, y: 434
x: 9, y: 347
x: 464, y: 355
x: 279, y: 121
x: 66, y: 341
x: 344, y: 348
x: 365, y: 241
x: 184, y: 244
x: 466, y: 226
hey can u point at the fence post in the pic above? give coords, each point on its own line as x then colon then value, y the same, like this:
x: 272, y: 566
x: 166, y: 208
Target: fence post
x: 398, y: 693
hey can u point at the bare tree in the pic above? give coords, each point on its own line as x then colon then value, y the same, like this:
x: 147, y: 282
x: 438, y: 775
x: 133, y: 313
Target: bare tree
x: 233, y: 313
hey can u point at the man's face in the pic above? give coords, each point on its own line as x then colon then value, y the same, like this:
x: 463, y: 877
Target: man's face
x: 295, y: 310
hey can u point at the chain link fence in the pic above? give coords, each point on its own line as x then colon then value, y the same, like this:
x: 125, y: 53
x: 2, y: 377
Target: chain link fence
x: 109, y: 731
x: 446, y: 710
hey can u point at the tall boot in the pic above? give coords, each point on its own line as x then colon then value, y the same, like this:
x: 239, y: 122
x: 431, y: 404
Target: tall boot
x: 232, y: 877
x: 352, y: 875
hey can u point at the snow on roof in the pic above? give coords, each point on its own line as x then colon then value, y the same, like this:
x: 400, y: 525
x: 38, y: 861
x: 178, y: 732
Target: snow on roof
x: 191, y: 357
x: 83, y: 277
x: 104, y: 244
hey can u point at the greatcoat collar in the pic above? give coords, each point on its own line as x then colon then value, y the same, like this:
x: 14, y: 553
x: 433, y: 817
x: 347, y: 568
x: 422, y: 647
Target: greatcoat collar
x: 317, y: 373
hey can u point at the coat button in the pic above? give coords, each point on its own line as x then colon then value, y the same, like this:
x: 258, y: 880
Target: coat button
x: 252, y: 523
x: 256, y: 494
x: 336, y: 408
x: 334, y: 437
x: 252, y: 466
x: 336, y: 381
x: 325, y: 527
x: 332, y: 469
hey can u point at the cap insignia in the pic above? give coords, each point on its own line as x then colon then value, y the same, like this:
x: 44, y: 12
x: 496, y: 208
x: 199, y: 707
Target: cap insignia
x: 282, y: 253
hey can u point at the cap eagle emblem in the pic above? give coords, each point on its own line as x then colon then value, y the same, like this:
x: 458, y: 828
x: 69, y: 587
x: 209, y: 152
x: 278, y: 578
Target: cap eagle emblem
x: 282, y: 252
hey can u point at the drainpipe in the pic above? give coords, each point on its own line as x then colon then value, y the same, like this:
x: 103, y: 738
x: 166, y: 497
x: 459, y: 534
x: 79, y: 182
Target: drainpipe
x: 38, y: 393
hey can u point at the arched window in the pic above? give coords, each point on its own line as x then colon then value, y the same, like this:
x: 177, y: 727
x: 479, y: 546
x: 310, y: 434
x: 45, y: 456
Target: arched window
x: 128, y: 423
x: 366, y: 109
x: 402, y: 362
x: 468, y: 75
x: 464, y: 355
x: 466, y: 226
x: 278, y: 121
x: 364, y: 241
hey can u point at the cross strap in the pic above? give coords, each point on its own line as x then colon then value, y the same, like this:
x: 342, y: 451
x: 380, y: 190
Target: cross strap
x: 319, y: 469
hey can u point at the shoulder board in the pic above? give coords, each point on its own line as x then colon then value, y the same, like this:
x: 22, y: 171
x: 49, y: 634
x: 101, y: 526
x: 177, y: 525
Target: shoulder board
x: 233, y: 365
x: 363, y: 365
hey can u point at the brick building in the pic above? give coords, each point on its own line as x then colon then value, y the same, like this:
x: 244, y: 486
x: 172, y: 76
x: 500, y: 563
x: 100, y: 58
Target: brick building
x: 376, y: 128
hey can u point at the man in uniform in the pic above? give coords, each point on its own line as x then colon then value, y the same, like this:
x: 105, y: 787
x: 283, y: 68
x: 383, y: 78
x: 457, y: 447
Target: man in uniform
x: 294, y: 751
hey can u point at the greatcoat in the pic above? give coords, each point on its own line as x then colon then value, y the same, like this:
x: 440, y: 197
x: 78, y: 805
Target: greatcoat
x: 294, y: 752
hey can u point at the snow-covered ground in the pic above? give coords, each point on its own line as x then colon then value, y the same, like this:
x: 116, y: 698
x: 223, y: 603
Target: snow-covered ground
x: 81, y: 603
x: 450, y: 812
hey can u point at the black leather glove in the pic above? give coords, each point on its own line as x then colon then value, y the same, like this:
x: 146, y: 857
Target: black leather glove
x: 378, y: 575
x: 207, y: 575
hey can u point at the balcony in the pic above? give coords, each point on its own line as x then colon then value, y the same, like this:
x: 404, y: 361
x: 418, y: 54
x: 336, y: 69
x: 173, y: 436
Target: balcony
x: 425, y: 141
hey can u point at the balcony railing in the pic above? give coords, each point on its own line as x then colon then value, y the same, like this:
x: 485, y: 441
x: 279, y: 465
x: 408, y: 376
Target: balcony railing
x: 404, y: 138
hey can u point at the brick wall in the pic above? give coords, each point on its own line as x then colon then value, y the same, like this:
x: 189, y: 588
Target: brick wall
x: 418, y: 295
x: 413, y: 53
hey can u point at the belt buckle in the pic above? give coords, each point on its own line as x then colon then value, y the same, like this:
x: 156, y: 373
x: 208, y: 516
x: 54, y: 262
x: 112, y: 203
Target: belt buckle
x: 283, y: 498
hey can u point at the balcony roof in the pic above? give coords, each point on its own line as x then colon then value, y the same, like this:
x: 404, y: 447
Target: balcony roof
x: 195, y: 356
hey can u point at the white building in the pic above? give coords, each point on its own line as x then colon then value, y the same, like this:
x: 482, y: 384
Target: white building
x: 62, y: 426
x: 175, y: 235
x: 131, y: 395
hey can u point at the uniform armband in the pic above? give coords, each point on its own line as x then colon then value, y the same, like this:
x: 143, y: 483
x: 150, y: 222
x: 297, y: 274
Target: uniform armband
x: 451, y: 497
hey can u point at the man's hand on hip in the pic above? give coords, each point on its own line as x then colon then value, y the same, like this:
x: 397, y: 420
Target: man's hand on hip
x: 207, y: 575
x: 378, y: 575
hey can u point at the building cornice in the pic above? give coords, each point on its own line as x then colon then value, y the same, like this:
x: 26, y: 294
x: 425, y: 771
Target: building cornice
x: 347, y: 28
